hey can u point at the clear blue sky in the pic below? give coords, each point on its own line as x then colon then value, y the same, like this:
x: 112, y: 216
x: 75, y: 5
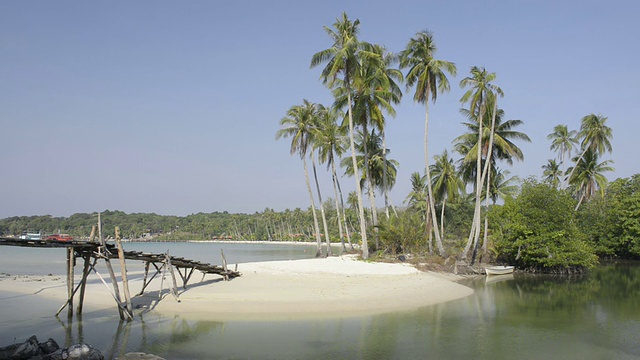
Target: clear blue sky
x: 172, y: 107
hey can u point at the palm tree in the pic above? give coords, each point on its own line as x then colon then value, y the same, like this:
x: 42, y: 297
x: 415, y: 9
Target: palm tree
x: 366, y: 105
x: 563, y: 141
x: 481, y: 93
x: 502, y: 185
x: 299, y: 125
x: 596, y: 137
x: 330, y: 142
x: 417, y: 197
x: 341, y: 60
x: 595, y: 134
x: 588, y: 175
x: 551, y: 173
x: 504, y: 147
x: 375, y: 92
x: 376, y: 165
x: 447, y: 184
x: 418, y: 200
x: 385, y: 91
x: 429, y: 77
x: 322, y: 213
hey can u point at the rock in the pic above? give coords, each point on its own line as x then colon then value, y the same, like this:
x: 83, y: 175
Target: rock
x: 139, y: 356
x: 49, y: 350
x: 26, y: 350
x: 81, y: 352
x: 56, y: 355
x: 49, y: 346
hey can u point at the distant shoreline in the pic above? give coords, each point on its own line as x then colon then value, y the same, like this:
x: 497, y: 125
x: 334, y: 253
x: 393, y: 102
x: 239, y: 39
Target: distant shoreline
x: 263, y: 242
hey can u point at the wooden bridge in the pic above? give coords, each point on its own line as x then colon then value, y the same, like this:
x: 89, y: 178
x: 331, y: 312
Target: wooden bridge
x: 92, y: 251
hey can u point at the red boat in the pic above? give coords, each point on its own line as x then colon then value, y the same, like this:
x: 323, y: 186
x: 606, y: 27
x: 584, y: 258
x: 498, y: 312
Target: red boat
x: 59, y: 237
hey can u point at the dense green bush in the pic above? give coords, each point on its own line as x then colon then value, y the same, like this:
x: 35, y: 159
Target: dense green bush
x: 612, y: 223
x: 537, y: 230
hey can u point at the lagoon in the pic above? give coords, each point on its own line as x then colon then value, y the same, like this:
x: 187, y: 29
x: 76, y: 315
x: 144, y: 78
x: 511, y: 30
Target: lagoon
x: 523, y: 316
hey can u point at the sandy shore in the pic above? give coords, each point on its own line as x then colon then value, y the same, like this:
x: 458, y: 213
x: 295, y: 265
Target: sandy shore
x: 299, y: 289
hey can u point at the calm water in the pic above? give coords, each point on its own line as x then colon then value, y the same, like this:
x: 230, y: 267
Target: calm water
x: 519, y: 317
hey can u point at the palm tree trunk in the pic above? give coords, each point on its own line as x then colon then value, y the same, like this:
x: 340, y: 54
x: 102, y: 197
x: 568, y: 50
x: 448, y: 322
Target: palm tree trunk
x: 476, y: 212
x: 444, y: 202
x: 579, y: 202
x: 564, y: 168
x: 486, y: 175
x: 363, y: 225
x: 367, y: 176
x: 374, y: 211
x: 384, y: 174
x: 485, y: 246
x: 334, y: 179
x: 431, y: 205
x: 342, y: 208
x: 576, y: 165
x: 428, y: 224
x: 324, y: 218
x: 313, y: 209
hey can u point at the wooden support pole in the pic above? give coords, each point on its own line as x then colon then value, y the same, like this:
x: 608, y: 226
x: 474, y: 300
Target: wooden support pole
x: 120, y: 306
x: 146, y: 283
x: 123, y: 267
x: 224, y: 266
x: 164, y: 270
x: 83, y: 283
x: 174, y: 288
x: 70, y: 280
x: 112, y: 275
x: 186, y: 276
x: 144, y: 279
x: 92, y: 237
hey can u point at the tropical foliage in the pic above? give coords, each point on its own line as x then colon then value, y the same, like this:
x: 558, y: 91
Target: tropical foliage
x: 612, y: 222
x: 537, y: 230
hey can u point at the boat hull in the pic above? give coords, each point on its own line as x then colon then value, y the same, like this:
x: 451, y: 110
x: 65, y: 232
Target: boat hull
x: 499, y: 270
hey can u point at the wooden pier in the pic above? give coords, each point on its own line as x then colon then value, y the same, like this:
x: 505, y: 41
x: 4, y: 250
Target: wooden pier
x: 92, y: 251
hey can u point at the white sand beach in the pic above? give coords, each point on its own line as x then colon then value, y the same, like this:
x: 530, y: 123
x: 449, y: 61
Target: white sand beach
x: 297, y: 289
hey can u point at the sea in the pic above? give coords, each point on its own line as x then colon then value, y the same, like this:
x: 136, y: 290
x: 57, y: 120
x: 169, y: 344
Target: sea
x: 520, y: 316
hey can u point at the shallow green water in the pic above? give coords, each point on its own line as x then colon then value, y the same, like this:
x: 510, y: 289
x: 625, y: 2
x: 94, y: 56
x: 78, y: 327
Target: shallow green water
x: 519, y: 317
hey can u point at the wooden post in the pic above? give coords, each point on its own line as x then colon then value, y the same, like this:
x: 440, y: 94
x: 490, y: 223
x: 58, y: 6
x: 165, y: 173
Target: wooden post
x: 81, y: 285
x: 85, y: 272
x: 92, y: 237
x: 123, y: 267
x: 224, y: 266
x: 144, y: 279
x: 174, y: 289
x: 70, y: 280
x: 112, y: 275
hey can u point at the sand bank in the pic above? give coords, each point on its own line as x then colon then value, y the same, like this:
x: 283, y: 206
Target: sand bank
x: 298, y: 289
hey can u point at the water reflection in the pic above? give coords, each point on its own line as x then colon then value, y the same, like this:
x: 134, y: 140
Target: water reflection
x: 523, y: 317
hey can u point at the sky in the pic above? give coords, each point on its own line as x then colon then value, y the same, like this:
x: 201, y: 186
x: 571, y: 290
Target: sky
x: 172, y: 107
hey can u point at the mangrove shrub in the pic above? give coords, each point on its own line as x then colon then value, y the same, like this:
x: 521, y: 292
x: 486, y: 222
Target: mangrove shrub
x: 537, y: 230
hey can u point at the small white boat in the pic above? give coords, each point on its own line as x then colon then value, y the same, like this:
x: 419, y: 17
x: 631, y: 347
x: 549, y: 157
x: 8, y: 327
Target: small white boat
x: 499, y: 270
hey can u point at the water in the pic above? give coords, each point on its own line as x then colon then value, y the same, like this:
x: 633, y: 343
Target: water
x: 523, y: 317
